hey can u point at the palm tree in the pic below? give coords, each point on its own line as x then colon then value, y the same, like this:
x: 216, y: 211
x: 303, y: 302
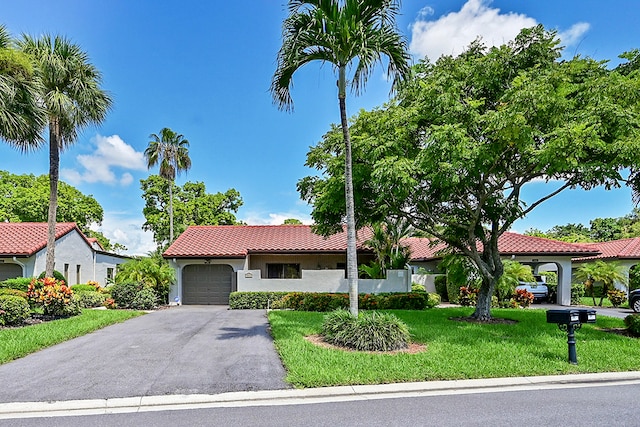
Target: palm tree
x: 341, y: 32
x: 73, y: 99
x: 22, y: 119
x: 171, y: 150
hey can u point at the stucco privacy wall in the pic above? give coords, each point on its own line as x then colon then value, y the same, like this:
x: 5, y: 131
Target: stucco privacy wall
x: 426, y: 280
x: 323, y: 281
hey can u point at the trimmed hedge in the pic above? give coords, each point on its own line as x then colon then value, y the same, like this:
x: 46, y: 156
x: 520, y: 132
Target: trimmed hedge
x: 83, y: 288
x: 89, y: 299
x: 14, y: 292
x: 322, y: 302
x: 19, y: 283
x: 56, y: 275
x: 254, y: 300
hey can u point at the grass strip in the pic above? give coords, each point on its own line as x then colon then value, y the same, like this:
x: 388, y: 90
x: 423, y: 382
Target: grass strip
x: 455, y: 350
x: 19, y: 342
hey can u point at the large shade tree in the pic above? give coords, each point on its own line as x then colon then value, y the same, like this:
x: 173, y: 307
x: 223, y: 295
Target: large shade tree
x: 453, y: 152
x: 71, y: 93
x: 171, y: 151
x: 22, y: 118
x: 343, y: 33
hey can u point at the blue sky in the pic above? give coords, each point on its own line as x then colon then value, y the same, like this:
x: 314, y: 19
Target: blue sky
x: 204, y: 68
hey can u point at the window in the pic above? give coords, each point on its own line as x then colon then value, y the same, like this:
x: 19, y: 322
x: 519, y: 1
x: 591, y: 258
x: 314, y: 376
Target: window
x: 66, y: 273
x: 109, y: 274
x: 283, y: 271
x: 78, y: 274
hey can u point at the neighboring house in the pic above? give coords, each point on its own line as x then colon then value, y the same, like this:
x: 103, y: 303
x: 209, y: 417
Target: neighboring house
x: 625, y: 252
x: 528, y: 250
x: 23, y: 247
x: 213, y: 261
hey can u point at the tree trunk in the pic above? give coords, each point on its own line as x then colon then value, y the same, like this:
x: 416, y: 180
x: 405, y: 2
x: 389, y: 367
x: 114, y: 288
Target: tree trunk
x: 352, y: 255
x: 54, y: 165
x: 483, y: 305
x: 170, y: 212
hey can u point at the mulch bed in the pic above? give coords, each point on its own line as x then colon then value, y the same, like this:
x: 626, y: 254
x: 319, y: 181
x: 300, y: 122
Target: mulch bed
x: 320, y: 342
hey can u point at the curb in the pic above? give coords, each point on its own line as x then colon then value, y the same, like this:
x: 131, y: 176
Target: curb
x: 15, y: 410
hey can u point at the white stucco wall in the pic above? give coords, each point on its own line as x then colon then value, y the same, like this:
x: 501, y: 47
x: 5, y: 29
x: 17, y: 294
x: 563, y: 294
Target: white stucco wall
x: 323, y: 281
x: 426, y: 280
x: 71, y: 249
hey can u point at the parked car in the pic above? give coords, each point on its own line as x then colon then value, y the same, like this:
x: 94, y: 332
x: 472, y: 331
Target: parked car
x: 634, y: 300
x: 538, y: 288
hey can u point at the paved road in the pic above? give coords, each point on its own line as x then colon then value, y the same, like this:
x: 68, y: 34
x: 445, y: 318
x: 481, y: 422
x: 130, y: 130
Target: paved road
x: 181, y: 350
x: 578, y: 400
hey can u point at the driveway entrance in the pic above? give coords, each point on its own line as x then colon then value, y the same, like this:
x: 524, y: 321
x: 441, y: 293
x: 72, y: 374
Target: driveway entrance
x: 180, y: 350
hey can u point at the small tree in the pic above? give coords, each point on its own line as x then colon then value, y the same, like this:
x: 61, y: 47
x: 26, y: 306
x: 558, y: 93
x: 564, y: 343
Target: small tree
x: 608, y: 273
x: 151, y: 272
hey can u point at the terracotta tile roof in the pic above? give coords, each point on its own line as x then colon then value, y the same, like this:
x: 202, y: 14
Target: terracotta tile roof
x: 508, y: 244
x: 615, y: 249
x: 27, y: 238
x: 236, y: 241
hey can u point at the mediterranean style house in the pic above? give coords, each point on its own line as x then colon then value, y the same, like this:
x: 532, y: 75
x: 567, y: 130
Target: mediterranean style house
x: 213, y: 261
x: 23, y: 247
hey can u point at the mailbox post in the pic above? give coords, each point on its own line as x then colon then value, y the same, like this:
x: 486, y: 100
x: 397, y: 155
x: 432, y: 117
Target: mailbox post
x: 570, y: 320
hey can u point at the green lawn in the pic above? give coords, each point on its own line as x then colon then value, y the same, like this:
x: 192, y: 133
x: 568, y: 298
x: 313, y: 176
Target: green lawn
x: 588, y: 301
x: 18, y: 342
x: 455, y: 350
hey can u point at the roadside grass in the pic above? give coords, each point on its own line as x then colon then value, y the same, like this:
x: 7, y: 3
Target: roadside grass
x: 19, y: 342
x: 455, y: 349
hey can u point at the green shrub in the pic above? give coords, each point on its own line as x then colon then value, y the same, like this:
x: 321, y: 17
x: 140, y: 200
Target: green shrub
x: 617, y: 297
x: 124, y: 293
x: 151, y: 272
x: 89, y: 299
x: 56, y: 275
x: 13, y: 310
x: 370, y: 331
x: 577, y: 292
x: 83, y: 288
x: 433, y: 300
x: 417, y: 287
x: 633, y: 324
x: 467, y: 296
x: 255, y: 300
x: 453, y: 292
x: 145, y: 299
x: 14, y: 292
x: 440, y: 283
x: 553, y: 293
x: 20, y: 283
x: 403, y: 301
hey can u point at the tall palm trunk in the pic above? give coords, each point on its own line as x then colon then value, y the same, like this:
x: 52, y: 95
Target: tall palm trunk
x: 352, y: 255
x: 54, y: 166
x: 170, y: 212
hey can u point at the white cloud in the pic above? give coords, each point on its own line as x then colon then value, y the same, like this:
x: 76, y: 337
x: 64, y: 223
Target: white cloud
x: 574, y: 34
x: 128, y: 232
x: 110, y: 152
x: 451, y: 34
x: 259, y: 218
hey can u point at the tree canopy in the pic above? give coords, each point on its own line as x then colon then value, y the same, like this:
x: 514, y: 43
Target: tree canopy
x: 192, y: 205
x: 26, y: 197
x: 453, y: 151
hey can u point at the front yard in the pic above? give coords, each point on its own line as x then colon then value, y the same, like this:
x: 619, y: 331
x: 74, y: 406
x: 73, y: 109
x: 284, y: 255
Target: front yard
x: 454, y: 349
x: 16, y: 342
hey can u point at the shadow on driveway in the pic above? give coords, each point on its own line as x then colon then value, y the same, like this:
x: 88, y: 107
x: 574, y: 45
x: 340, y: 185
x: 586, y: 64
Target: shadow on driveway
x: 180, y: 350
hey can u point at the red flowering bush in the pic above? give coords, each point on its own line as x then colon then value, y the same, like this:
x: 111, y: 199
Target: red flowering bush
x: 54, y: 296
x: 110, y: 303
x: 468, y: 296
x: 523, y: 298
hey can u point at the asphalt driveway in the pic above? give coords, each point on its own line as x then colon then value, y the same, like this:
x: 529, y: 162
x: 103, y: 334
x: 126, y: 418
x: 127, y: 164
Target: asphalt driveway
x: 180, y: 350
